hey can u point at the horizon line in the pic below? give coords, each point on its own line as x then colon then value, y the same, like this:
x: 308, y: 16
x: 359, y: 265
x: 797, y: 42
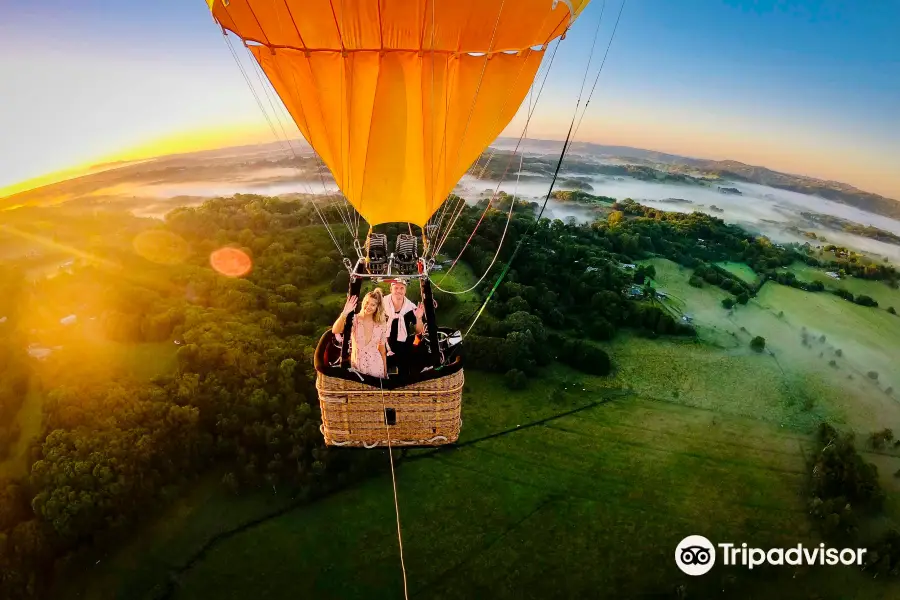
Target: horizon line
x: 120, y: 160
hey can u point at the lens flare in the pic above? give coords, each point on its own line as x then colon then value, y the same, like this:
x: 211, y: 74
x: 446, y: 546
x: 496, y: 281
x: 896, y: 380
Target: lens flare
x: 231, y: 262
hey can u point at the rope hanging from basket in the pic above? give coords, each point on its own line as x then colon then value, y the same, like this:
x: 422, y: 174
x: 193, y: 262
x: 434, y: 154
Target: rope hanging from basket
x: 394, y: 482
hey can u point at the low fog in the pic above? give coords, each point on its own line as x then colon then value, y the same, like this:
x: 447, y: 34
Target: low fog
x: 155, y: 187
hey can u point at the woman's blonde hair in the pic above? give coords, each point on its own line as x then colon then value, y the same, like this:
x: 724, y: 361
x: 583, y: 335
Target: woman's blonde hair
x: 380, y: 316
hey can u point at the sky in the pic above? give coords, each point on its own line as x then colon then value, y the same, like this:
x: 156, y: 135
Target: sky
x: 804, y: 87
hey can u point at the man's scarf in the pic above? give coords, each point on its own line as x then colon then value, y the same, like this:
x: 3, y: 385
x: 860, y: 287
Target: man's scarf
x: 389, y: 310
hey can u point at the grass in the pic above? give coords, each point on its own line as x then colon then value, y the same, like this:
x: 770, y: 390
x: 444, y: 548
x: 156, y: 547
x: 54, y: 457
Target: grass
x: 799, y: 379
x: 163, y: 541
x: 29, y: 419
x: 738, y: 382
x: 879, y: 291
x: 621, y: 483
x: 868, y: 340
x: 703, y: 305
x: 740, y: 270
x: 588, y: 504
x: 577, y: 486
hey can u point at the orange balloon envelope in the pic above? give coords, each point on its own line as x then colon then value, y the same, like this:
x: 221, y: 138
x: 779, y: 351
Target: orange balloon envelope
x: 399, y: 97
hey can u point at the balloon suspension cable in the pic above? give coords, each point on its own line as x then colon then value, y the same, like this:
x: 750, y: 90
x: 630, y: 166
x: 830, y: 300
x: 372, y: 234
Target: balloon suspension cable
x: 532, y: 107
x: 556, y: 171
x: 274, y: 132
x: 512, y: 203
x: 437, y: 223
x: 543, y: 70
x: 457, y: 212
x: 349, y: 216
x: 342, y: 209
x: 603, y: 62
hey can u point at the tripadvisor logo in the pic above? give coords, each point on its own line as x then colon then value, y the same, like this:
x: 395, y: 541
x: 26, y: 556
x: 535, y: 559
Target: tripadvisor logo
x: 696, y: 555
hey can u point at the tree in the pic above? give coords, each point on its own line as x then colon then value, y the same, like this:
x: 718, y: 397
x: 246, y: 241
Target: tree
x: 615, y: 217
x: 743, y: 298
x: 864, y: 300
x: 728, y: 303
x: 891, y: 310
x: 758, y: 343
x: 517, y: 304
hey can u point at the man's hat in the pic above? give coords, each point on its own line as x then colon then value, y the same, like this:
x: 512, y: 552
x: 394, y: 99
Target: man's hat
x: 397, y: 280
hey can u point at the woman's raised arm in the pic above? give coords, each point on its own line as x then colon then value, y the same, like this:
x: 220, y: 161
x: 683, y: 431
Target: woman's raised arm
x: 349, y: 307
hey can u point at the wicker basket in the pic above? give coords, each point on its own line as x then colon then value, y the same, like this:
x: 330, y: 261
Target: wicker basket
x: 423, y: 414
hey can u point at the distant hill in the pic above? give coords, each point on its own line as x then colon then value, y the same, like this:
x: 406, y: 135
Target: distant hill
x: 226, y: 163
x: 831, y: 190
x: 726, y: 169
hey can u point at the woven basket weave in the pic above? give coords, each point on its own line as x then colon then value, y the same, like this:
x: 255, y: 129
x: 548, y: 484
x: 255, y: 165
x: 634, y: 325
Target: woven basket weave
x: 427, y: 413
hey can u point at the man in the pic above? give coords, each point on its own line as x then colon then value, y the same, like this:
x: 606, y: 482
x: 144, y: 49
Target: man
x: 405, y: 321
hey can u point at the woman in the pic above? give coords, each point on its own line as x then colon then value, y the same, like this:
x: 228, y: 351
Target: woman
x: 369, y: 332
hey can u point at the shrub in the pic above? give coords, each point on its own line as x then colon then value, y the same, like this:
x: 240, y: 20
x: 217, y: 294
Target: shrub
x: 758, y: 343
x: 728, y: 302
x: 515, y: 379
x: 865, y: 301
x: 844, y: 294
x: 873, y: 375
x: 585, y: 357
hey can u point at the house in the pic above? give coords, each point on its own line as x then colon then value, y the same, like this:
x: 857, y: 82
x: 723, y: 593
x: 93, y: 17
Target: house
x: 833, y: 275
x: 661, y: 294
x: 636, y: 291
x: 629, y: 267
x: 687, y: 318
x: 591, y: 269
x: 68, y: 320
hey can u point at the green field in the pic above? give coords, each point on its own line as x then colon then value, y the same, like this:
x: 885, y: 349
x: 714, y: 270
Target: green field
x: 583, y: 493
x: 592, y: 501
x: 740, y: 270
x: 575, y: 487
x: 868, y: 340
x: 789, y: 373
x: 880, y: 292
x: 702, y: 305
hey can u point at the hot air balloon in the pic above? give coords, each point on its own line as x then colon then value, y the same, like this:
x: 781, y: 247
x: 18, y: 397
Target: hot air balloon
x: 398, y: 98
